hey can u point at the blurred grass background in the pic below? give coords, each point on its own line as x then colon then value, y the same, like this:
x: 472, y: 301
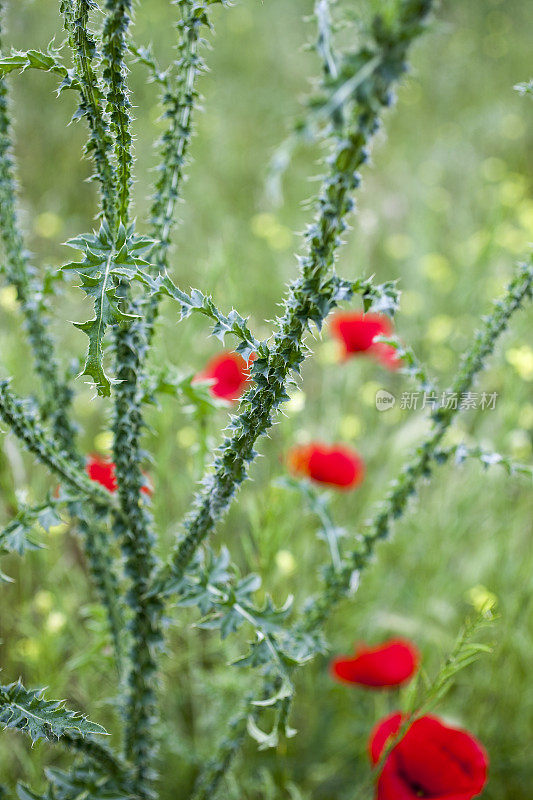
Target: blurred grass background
x: 446, y: 208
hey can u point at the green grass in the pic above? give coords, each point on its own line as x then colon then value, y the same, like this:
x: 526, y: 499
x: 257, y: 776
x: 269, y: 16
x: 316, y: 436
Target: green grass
x: 446, y: 208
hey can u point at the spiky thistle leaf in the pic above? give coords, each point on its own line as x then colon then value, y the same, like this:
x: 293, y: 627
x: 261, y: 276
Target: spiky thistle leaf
x: 105, y: 262
x: 48, y: 61
x: 28, y: 711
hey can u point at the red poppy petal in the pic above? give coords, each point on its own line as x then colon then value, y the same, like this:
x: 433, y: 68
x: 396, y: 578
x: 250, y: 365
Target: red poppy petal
x: 432, y: 760
x: 230, y: 374
x: 389, y: 664
x: 387, y: 355
x: 357, y: 331
x: 442, y: 760
x: 381, y: 733
x: 336, y: 466
x: 102, y: 471
x: 391, y: 784
x: 298, y: 459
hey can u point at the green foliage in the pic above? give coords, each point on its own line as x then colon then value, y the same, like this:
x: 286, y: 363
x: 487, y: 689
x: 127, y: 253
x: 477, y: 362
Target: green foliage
x: 25, y: 424
x: 114, y: 48
x: 133, y: 530
x: 424, y: 693
x: 342, y: 578
x: 461, y: 452
x: 31, y: 713
x: 36, y: 59
x: 106, y: 260
x: 21, y: 275
x: 92, y: 782
x: 525, y: 88
x: 316, y: 292
x: 18, y: 536
x: 179, y: 97
x: 92, y: 97
x: 466, y: 651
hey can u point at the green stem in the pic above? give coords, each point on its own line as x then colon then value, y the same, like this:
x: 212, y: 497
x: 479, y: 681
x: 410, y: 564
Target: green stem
x: 311, y: 296
x: 179, y: 101
x: 103, y: 568
x: 22, y: 276
x: 26, y: 427
x: 133, y: 530
x: 102, y: 755
x: 337, y: 586
x: 114, y: 48
x: 100, y: 146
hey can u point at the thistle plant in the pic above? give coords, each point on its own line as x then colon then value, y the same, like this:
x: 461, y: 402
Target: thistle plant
x: 126, y: 268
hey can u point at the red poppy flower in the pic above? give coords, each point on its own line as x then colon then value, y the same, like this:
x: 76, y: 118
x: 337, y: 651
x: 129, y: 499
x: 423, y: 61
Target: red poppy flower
x: 102, y: 471
x: 389, y: 664
x: 356, y: 332
x: 432, y: 760
x: 230, y: 374
x: 336, y: 465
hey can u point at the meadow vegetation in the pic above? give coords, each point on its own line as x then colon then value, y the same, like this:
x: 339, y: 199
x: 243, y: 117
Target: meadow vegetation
x: 445, y: 209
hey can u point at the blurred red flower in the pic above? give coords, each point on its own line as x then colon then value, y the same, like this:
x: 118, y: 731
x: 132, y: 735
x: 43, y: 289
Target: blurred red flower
x: 230, y: 374
x: 336, y: 465
x: 102, y: 470
x: 356, y: 332
x: 432, y: 760
x: 388, y: 664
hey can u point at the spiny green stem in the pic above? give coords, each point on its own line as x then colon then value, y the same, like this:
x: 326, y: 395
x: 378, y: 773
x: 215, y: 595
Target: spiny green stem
x: 411, y: 364
x: 130, y: 347
x: 133, y: 530
x: 114, y: 48
x: 99, y: 753
x: 22, y: 276
x: 103, y: 567
x: 460, y: 452
x: 339, y: 584
x: 27, y: 428
x: 313, y: 294
x: 179, y: 99
x: 133, y: 525
x: 100, y: 145
x: 324, y: 39
x: 217, y: 767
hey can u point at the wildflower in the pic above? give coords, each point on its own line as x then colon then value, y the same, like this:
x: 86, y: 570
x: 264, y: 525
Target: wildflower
x: 431, y: 760
x: 389, y: 664
x: 356, y: 332
x: 336, y: 465
x: 230, y: 374
x: 103, y: 471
